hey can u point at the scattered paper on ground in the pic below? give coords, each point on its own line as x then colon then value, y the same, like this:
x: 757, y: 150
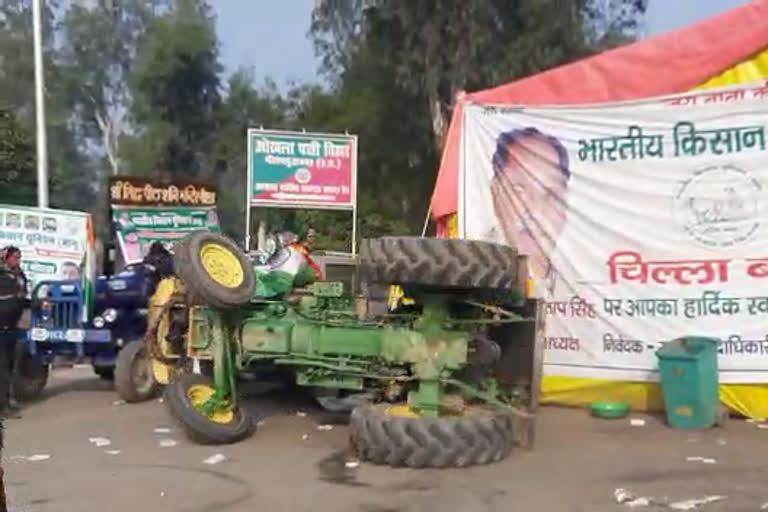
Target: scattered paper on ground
x: 300, y: 414
x: 118, y: 402
x: 764, y: 506
x: 162, y: 430
x: 703, y: 460
x: 38, y: 457
x: 352, y: 464
x: 627, y: 498
x: 112, y: 452
x: 167, y: 443
x: 215, y: 459
x: 637, y: 422
x: 695, y: 503
x: 756, y: 420
x: 305, y: 437
x: 325, y: 427
x: 261, y: 423
x: 99, y: 441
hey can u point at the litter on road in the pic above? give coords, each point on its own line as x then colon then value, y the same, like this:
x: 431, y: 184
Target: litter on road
x: 162, y: 430
x: 703, y: 460
x: 168, y: 443
x: 325, y: 427
x: 99, y: 442
x: 38, y: 457
x: 637, y: 422
x: 694, y: 503
x: 112, y: 452
x: 215, y: 459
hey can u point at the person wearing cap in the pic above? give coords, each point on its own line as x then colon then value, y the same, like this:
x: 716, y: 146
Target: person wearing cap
x: 13, y: 295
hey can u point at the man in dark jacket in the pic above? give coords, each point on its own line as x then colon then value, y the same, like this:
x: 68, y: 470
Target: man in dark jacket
x: 13, y: 295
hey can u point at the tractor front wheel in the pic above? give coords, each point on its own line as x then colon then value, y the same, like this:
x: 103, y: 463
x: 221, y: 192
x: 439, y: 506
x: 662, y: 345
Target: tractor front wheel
x: 134, y: 380
x: 395, y: 436
x: 191, y: 400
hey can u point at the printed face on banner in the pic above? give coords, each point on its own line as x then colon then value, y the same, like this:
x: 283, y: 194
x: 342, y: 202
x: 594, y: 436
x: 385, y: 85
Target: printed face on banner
x: 645, y: 221
x: 530, y: 177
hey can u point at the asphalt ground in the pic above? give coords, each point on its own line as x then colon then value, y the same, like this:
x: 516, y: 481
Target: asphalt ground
x: 57, y: 459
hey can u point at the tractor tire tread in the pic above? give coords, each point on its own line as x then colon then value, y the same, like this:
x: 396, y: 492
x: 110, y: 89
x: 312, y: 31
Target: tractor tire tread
x: 447, y: 263
x: 431, y: 442
x: 200, y: 286
x: 124, y: 367
x: 198, y: 428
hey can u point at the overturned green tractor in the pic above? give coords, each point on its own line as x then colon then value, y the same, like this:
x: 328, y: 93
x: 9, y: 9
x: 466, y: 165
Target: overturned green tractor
x: 418, y: 380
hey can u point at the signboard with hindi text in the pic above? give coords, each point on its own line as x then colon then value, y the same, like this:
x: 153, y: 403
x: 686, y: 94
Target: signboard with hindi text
x: 297, y: 169
x: 302, y: 170
x: 137, y: 228
x: 645, y: 221
x: 146, y: 211
x: 54, y: 244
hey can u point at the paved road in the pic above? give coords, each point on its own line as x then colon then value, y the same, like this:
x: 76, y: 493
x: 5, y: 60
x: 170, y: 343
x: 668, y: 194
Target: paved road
x: 576, y: 466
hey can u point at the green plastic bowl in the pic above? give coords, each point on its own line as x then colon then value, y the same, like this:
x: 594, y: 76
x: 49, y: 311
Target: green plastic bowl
x: 609, y: 410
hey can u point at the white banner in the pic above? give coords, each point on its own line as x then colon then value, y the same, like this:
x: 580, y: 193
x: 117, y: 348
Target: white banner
x: 645, y: 222
x: 53, y: 243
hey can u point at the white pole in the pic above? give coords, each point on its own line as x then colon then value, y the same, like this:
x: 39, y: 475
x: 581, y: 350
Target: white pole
x: 42, y: 149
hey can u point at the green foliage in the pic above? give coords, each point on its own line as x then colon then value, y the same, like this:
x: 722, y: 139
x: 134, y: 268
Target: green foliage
x: 175, y: 90
x: 18, y: 184
x: 136, y: 86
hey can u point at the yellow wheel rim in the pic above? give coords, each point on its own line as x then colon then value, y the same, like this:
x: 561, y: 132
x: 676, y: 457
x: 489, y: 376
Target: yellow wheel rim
x: 223, y: 266
x: 401, y: 411
x: 200, y: 394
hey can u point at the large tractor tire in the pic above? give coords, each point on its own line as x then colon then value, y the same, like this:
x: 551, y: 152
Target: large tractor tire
x: 30, y: 376
x: 134, y: 379
x: 383, y: 437
x: 444, y: 263
x: 184, y: 397
x: 214, y: 270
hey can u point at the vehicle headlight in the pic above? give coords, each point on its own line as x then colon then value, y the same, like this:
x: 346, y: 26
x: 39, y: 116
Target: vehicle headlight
x: 98, y: 322
x: 110, y: 315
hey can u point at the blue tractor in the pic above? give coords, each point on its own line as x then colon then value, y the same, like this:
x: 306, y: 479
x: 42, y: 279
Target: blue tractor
x: 109, y: 337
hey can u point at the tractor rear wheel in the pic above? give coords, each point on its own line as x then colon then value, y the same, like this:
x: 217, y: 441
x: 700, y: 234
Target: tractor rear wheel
x: 383, y: 435
x: 214, y: 270
x: 134, y: 379
x: 186, y: 396
x: 444, y: 263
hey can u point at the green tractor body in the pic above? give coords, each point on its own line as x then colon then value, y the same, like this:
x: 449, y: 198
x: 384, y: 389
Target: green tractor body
x: 434, y: 359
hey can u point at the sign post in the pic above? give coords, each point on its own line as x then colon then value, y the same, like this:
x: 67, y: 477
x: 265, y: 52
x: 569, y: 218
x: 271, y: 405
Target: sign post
x: 301, y: 170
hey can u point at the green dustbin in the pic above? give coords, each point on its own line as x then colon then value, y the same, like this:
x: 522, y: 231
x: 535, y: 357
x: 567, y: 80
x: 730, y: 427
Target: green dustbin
x: 689, y: 381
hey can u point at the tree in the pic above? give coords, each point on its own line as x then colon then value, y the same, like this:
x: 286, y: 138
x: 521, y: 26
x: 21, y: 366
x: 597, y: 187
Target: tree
x: 245, y: 106
x: 70, y: 170
x: 438, y: 48
x: 98, y: 53
x: 175, y: 91
x: 17, y: 162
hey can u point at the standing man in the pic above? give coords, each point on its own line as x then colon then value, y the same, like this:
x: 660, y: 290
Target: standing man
x: 13, y: 295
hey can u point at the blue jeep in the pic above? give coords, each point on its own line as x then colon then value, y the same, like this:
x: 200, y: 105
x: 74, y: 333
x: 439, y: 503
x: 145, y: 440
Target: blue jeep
x: 61, y: 329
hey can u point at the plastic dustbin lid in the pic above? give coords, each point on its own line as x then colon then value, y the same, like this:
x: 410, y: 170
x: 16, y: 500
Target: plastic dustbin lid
x: 686, y: 347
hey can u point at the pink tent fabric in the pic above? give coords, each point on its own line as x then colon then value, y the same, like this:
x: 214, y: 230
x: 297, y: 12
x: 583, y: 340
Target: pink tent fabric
x: 666, y: 64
